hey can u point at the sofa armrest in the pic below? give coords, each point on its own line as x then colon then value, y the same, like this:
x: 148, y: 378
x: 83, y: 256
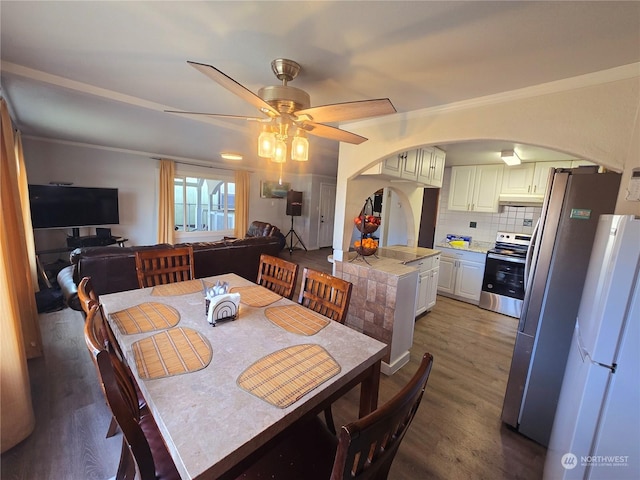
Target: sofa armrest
x: 69, y: 288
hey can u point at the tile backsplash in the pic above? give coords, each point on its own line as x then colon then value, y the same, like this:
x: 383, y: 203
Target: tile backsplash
x: 508, y: 219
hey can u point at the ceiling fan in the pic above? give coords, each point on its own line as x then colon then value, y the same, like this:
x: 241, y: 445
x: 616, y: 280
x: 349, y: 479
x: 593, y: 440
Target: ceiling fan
x: 285, y: 107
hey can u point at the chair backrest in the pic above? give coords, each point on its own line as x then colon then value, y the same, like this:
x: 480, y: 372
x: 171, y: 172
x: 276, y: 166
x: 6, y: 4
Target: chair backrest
x: 99, y: 337
x: 126, y: 412
x: 162, y: 266
x: 86, y: 294
x: 278, y: 275
x: 325, y: 294
x: 367, y: 447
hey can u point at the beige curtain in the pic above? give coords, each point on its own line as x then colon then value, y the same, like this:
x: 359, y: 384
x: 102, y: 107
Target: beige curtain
x: 242, y: 203
x: 166, y: 202
x: 19, y: 332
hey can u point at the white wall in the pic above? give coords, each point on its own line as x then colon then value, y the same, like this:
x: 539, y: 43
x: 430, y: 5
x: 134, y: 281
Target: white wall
x: 594, y: 117
x: 136, y: 177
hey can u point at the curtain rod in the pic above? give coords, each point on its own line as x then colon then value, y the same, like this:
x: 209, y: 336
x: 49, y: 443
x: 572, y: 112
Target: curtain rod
x: 182, y: 162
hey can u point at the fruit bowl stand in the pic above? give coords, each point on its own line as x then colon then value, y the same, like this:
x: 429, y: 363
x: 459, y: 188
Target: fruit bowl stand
x: 366, y: 228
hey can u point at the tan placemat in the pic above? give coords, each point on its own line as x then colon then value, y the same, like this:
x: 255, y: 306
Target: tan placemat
x: 146, y: 317
x: 172, y: 352
x: 297, y: 319
x: 178, y: 288
x: 256, y: 295
x: 285, y: 376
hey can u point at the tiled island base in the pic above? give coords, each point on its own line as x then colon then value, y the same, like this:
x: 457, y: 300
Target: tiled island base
x: 382, y: 304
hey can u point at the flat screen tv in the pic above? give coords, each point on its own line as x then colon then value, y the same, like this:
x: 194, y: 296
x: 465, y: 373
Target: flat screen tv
x: 55, y: 206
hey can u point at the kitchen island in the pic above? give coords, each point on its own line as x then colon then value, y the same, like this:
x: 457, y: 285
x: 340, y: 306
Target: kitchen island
x: 386, y: 288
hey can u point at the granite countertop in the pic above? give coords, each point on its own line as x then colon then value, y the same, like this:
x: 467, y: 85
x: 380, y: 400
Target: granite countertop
x: 393, y: 259
x: 480, y: 247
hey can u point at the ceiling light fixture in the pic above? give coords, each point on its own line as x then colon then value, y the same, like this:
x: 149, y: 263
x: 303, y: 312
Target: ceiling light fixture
x: 231, y: 156
x: 274, y: 140
x: 510, y: 157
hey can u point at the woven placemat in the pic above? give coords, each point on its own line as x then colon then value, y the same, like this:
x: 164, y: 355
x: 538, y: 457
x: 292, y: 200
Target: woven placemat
x: 256, y: 295
x: 146, y: 317
x: 172, y: 352
x: 297, y: 319
x: 178, y: 288
x: 283, y: 377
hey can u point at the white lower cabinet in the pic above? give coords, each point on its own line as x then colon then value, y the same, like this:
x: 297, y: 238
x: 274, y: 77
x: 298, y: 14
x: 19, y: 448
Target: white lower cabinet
x: 427, y: 290
x: 460, y: 274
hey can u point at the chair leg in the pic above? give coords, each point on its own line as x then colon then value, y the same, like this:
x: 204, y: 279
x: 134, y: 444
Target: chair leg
x: 328, y: 419
x: 127, y: 466
x: 113, y: 428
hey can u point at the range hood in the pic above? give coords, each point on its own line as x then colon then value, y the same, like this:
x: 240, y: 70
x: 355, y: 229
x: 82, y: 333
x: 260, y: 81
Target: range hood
x: 522, y: 200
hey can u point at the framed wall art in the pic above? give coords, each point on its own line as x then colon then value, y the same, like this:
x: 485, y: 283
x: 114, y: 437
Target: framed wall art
x: 274, y: 189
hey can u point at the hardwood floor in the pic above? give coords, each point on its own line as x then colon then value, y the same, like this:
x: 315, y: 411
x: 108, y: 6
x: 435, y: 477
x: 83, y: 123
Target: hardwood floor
x: 456, y: 434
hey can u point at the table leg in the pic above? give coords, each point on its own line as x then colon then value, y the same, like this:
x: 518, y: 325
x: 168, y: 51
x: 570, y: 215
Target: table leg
x: 369, y: 390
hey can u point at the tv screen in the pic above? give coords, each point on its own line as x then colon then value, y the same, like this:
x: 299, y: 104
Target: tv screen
x: 54, y: 206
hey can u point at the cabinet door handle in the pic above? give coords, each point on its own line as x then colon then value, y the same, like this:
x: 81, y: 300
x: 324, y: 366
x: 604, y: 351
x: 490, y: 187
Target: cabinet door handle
x: 529, y: 189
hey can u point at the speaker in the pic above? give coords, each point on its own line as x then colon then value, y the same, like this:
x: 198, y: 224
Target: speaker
x: 294, y: 203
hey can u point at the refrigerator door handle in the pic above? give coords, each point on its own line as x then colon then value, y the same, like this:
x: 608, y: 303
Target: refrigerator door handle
x: 584, y: 353
x: 529, y: 255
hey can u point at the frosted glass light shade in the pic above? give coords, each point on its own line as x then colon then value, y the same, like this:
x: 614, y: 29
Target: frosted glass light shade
x: 280, y: 154
x: 266, y: 144
x: 300, y: 149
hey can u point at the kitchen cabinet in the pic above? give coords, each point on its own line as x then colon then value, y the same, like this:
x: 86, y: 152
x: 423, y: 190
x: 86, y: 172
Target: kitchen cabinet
x: 431, y: 171
x: 518, y: 179
x: 460, y: 274
x: 392, y: 165
x: 475, y: 188
x: 541, y: 175
x: 426, y: 294
x: 425, y: 166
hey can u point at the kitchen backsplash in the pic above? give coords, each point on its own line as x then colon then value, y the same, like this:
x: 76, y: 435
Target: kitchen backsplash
x: 508, y: 219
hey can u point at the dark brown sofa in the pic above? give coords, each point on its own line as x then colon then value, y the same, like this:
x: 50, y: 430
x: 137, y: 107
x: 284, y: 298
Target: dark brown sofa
x: 113, y: 269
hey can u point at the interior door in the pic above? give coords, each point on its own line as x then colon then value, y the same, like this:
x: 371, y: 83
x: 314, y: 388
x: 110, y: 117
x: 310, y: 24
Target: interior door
x: 327, y: 212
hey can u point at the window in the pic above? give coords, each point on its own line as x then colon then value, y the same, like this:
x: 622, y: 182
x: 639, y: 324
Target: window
x: 204, y: 204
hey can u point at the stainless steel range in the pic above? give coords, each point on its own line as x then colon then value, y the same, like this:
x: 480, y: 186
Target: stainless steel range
x: 503, y: 282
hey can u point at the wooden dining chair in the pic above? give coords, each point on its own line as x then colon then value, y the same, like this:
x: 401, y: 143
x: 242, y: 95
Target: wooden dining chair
x: 142, y: 443
x: 162, y: 266
x: 325, y: 294
x: 328, y: 295
x: 364, y: 449
x: 278, y: 275
x: 87, y: 295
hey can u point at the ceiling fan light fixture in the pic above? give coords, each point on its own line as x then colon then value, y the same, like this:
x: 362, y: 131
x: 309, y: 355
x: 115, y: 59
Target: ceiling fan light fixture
x: 510, y: 157
x: 300, y: 147
x: 280, y: 154
x: 267, y: 143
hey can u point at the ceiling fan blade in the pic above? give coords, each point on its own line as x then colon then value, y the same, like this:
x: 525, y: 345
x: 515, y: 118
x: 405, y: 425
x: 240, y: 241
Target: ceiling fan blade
x: 234, y: 87
x: 218, y: 115
x: 333, y: 133
x: 341, y: 112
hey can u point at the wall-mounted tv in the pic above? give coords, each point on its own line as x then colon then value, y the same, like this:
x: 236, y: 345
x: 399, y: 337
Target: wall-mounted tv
x: 55, y: 206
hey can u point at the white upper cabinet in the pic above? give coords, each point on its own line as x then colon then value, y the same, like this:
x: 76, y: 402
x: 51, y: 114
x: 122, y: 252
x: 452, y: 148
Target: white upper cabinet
x: 425, y: 166
x: 431, y: 167
x: 392, y: 165
x: 475, y: 188
x: 541, y: 175
x: 518, y: 179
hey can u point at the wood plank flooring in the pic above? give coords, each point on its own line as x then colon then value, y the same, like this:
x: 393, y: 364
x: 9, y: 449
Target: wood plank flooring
x: 456, y: 434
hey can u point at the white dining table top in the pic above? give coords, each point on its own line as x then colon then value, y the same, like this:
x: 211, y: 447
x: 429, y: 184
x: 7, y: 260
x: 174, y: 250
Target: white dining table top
x: 209, y: 423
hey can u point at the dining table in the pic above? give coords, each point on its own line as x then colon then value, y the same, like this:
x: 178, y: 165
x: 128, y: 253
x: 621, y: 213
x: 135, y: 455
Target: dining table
x: 221, y: 394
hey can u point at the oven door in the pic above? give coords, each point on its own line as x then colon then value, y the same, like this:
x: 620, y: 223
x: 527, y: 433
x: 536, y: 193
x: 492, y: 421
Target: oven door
x: 503, y: 284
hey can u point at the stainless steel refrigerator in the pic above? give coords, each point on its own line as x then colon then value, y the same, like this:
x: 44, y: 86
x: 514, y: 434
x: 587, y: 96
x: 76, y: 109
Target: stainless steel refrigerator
x: 555, y: 272
x: 596, y: 431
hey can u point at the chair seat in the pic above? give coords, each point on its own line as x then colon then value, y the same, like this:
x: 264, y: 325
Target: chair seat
x: 312, y: 462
